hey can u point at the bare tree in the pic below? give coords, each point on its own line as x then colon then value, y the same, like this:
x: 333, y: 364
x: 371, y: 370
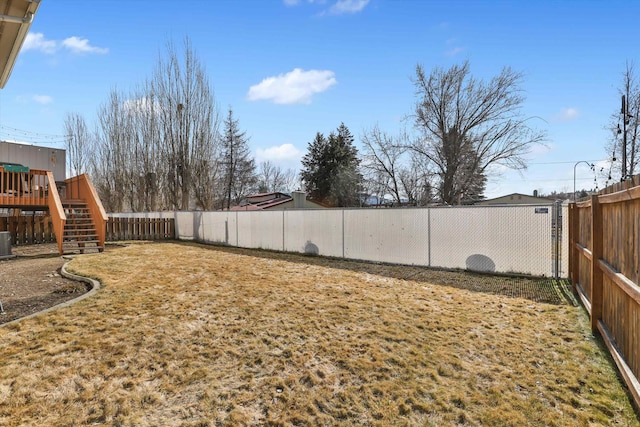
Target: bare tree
x: 78, y: 143
x: 147, y: 162
x: 382, y: 162
x: 187, y: 119
x: 112, y: 164
x: 468, y: 125
x: 630, y: 89
x: 417, y: 182
x: 157, y: 146
x: 273, y: 178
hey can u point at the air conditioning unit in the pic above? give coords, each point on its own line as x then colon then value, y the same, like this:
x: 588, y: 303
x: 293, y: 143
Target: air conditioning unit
x: 5, y: 244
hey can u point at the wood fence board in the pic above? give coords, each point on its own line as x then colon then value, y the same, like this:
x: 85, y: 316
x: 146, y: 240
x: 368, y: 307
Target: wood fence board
x: 630, y: 378
x: 140, y: 228
x: 606, y: 263
x: 28, y: 230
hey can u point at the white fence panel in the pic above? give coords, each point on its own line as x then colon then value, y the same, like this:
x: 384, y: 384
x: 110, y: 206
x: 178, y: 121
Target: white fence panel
x: 387, y: 235
x: 493, y: 239
x: 184, y: 222
x: 261, y: 230
x: 317, y: 232
x: 217, y: 227
x: 160, y: 214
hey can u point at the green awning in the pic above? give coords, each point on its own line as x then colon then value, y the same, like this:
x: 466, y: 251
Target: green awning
x: 14, y: 168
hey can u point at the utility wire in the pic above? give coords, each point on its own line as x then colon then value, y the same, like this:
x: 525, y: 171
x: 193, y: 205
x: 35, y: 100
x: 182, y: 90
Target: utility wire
x: 568, y: 162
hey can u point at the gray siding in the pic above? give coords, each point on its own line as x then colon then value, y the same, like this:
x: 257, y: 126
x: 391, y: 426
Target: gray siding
x: 35, y: 157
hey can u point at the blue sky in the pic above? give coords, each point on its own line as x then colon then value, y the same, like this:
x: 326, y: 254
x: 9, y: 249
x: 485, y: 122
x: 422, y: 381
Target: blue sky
x: 292, y: 68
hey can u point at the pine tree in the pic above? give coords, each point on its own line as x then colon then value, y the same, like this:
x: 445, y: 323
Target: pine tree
x: 331, y: 172
x: 239, y: 175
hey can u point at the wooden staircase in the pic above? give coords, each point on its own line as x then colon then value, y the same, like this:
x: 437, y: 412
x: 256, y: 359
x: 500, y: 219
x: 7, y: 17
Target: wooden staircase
x: 79, y: 224
x: 79, y: 235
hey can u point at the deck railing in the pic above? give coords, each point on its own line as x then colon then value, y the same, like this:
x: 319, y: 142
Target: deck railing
x: 24, y: 189
x: 58, y: 217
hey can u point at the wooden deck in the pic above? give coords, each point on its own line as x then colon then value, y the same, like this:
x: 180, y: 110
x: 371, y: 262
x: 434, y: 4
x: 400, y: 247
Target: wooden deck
x: 36, y: 190
x: 26, y: 190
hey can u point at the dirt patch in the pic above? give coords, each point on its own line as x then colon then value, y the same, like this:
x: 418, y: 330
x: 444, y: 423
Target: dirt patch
x: 31, y: 284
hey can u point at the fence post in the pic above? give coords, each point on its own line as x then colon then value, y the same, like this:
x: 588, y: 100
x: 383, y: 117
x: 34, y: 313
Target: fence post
x: 343, y: 243
x: 596, y: 255
x: 573, y: 220
x: 429, y: 237
x: 556, y: 227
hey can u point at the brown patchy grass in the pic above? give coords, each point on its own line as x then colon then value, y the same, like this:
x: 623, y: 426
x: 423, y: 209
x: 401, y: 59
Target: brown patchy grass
x: 186, y: 335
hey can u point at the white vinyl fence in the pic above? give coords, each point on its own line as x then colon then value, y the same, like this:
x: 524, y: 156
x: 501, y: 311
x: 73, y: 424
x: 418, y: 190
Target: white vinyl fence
x: 502, y: 239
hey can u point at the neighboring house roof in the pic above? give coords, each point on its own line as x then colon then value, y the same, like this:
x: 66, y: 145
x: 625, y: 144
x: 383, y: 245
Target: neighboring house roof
x: 516, y: 199
x: 263, y: 201
x: 274, y: 201
x: 15, y: 19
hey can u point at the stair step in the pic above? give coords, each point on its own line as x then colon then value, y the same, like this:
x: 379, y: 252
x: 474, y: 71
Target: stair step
x: 79, y: 250
x: 68, y: 242
x: 79, y: 234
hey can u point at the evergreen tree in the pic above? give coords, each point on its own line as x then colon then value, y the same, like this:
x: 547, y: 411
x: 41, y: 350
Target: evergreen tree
x: 331, y: 172
x: 239, y: 168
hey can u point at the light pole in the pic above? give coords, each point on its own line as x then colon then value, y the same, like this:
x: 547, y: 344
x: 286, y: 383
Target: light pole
x: 574, y: 175
x: 625, y: 121
x: 624, y: 113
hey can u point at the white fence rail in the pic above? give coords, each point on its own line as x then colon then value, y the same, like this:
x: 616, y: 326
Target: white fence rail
x: 503, y: 239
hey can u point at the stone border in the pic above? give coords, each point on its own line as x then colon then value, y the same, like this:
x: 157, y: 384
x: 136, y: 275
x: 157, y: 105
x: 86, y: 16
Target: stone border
x: 94, y: 284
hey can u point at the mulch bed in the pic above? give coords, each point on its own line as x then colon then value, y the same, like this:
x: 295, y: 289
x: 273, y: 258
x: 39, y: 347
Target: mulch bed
x: 31, y: 282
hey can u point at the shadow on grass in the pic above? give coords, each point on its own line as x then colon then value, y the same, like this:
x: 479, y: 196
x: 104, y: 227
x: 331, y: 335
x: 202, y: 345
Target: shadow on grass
x: 538, y: 289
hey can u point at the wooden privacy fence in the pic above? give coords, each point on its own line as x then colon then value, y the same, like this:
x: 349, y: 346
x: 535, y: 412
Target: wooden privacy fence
x: 604, y: 239
x: 27, y: 230
x: 32, y: 229
x: 140, y: 229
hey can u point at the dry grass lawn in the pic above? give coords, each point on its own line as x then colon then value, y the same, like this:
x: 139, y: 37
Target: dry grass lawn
x: 187, y: 335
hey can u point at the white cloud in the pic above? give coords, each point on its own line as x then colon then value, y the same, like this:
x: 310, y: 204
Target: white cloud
x: 567, y: 115
x: 297, y: 86
x: 285, y: 153
x: 453, y: 48
x: 539, y: 150
x: 340, y: 7
x: 79, y: 45
x: 37, y: 41
x: 141, y: 105
x: 454, y: 51
x: 348, y: 6
x: 42, y: 99
x: 76, y: 45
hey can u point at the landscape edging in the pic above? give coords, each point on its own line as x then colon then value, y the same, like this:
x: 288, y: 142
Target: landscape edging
x: 94, y: 284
